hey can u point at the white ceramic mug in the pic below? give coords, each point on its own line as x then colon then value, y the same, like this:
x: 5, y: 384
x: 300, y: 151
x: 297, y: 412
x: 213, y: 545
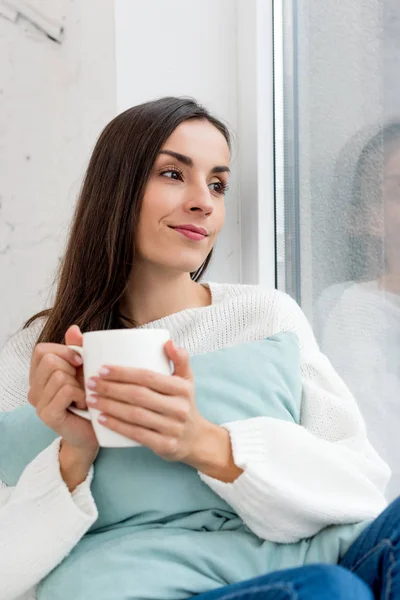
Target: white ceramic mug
x: 138, y: 348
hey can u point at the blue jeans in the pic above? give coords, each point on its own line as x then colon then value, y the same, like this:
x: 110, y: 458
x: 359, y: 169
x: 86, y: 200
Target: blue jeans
x: 369, y: 569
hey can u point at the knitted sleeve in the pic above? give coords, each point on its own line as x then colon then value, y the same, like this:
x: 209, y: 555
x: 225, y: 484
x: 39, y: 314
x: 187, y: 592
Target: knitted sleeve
x: 40, y: 520
x: 299, y: 479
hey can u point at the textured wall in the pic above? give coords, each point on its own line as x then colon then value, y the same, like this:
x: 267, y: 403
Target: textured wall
x: 53, y: 101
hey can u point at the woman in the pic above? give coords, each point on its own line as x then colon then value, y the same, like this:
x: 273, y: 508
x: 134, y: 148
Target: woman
x: 364, y: 311
x: 149, y: 214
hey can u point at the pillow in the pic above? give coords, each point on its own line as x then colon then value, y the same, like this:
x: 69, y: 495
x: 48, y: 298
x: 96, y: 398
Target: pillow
x: 161, y: 531
x: 260, y: 378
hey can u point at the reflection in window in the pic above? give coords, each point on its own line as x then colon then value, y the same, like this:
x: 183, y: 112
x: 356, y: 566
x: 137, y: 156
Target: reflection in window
x: 337, y: 79
x: 358, y: 321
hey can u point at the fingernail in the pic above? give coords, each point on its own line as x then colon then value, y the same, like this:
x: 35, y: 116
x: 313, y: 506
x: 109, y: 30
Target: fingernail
x: 91, y: 400
x: 102, y: 419
x: 91, y: 384
x: 104, y: 371
x: 78, y: 360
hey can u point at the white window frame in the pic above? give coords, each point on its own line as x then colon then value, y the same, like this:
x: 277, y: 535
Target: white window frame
x: 256, y: 137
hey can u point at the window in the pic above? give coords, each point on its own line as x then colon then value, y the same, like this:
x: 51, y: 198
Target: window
x: 337, y: 158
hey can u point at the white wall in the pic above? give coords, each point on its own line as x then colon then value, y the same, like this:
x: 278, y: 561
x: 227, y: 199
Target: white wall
x: 57, y: 98
x: 54, y: 99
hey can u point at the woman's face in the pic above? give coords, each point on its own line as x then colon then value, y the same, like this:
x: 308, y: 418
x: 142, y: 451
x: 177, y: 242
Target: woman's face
x: 183, y: 206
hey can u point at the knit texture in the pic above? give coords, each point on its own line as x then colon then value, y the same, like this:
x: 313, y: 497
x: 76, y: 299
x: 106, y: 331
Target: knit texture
x: 297, y: 479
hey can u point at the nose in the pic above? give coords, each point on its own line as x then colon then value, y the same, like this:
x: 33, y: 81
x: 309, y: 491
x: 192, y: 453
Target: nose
x: 199, y: 200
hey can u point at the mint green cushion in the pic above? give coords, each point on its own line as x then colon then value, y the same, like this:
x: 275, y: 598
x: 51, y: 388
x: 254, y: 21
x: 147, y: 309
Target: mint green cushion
x: 240, y: 382
x: 161, y: 532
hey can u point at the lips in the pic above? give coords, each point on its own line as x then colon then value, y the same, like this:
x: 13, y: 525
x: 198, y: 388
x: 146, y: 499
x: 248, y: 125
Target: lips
x: 191, y: 231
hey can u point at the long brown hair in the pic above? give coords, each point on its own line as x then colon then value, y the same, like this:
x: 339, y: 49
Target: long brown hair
x: 100, y: 251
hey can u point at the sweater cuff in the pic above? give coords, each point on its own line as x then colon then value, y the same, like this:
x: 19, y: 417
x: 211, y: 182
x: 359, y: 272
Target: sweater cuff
x: 42, y: 479
x: 248, y: 441
x: 247, y: 495
x: 248, y: 447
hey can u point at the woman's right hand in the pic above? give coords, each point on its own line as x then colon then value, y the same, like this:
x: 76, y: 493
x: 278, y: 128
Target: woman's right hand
x: 56, y: 382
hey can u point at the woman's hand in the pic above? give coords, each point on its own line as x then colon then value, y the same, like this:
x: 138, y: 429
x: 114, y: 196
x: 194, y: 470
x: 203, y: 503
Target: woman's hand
x: 56, y: 382
x: 159, y: 412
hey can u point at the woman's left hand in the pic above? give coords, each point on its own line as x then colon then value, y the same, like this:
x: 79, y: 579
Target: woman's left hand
x: 157, y: 411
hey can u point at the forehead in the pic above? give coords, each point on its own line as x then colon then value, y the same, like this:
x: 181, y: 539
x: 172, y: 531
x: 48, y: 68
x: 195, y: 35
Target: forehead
x: 201, y: 141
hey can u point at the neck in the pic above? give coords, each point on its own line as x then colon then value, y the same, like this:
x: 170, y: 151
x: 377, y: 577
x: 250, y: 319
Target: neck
x: 154, y: 293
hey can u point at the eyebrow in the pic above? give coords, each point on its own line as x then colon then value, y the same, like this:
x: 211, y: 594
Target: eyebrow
x: 188, y: 162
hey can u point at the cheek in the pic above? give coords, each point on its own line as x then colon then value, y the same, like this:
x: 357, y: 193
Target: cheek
x: 148, y: 222
x: 151, y: 211
x: 145, y: 226
x: 158, y: 202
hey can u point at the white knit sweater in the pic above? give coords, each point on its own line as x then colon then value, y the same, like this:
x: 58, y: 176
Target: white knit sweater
x: 297, y: 478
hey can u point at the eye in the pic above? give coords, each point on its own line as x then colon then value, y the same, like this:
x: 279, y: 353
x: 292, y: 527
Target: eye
x: 172, y: 174
x: 220, y: 187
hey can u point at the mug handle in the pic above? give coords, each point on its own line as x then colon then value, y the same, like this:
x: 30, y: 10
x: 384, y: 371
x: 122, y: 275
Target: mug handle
x: 81, y: 413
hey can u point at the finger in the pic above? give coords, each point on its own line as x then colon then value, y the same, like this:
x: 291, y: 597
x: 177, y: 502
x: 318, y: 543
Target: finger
x: 57, y: 381
x: 181, y: 360
x: 54, y: 411
x: 161, y: 445
x: 73, y: 336
x: 50, y: 364
x: 130, y: 393
x: 164, y: 384
x: 136, y: 415
x: 175, y: 407
x: 41, y: 350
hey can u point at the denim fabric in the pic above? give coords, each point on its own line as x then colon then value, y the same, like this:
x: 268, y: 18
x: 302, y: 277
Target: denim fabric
x: 321, y: 582
x: 375, y: 555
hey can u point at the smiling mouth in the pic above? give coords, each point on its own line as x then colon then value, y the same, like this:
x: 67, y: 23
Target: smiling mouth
x: 197, y: 234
